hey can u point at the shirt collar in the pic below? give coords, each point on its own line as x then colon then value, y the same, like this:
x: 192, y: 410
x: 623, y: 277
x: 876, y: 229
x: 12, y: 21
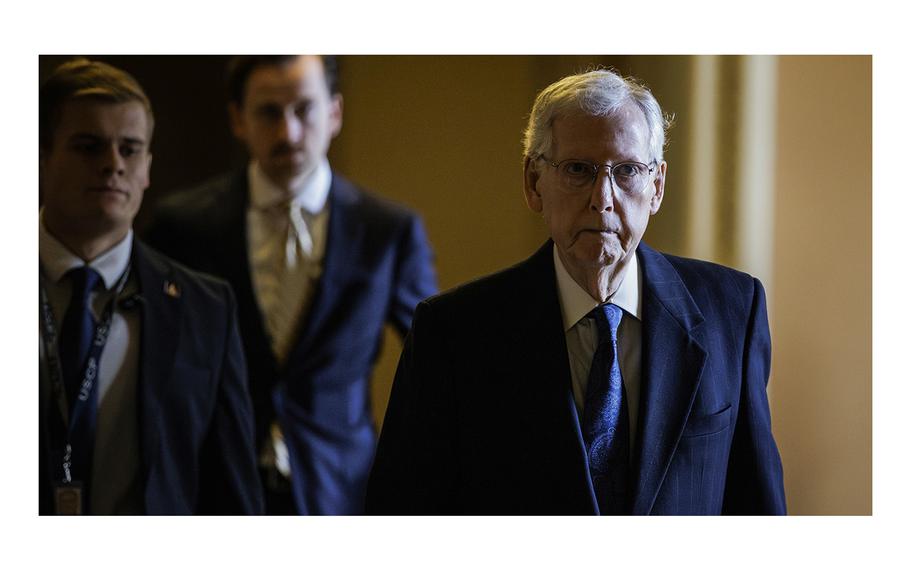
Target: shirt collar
x: 576, y: 303
x: 57, y: 260
x: 309, y: 192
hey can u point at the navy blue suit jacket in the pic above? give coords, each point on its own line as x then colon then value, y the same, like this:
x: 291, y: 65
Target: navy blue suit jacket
x: 482, y: 419
x: 377, y: 267
x: 195, y: 415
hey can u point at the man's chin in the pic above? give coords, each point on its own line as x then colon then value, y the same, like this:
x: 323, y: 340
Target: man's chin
x: 286, y: 171
x: 596, y: 256
x: 91, y: 226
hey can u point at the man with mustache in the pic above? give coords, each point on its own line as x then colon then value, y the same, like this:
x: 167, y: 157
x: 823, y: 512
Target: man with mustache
x: 599, y: 375
x: 144, y: 403
x: 318, y: 265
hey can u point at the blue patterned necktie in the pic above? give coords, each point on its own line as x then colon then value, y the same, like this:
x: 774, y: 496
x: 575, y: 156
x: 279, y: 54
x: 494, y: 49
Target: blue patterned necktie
x: 78, y: 330
x: 75, y: 342
x: 605, y: 422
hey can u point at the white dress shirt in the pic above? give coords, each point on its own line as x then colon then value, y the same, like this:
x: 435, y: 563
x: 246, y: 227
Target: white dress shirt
x: 286, y: 238
x: 581, y: 333
x: 116, y: 483
x: 286, y: 248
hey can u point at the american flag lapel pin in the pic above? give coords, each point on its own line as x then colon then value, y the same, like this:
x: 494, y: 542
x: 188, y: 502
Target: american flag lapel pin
x: 171, y: 289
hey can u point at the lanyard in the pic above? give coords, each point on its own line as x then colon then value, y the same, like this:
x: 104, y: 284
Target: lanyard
x: 78, y: 411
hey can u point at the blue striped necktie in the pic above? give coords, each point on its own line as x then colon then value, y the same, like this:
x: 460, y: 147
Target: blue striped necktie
x: 78, y: 330
x: 75, y: 342
x: 605, y: 421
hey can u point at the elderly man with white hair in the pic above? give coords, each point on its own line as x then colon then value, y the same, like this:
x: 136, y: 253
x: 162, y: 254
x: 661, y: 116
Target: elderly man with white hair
x: 599, y: 376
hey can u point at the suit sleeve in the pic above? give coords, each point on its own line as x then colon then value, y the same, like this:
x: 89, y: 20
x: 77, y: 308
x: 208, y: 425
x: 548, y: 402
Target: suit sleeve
x: 229, y: 479
x: 755, y: 483
x: 415, y: 275
x: 414, y: 470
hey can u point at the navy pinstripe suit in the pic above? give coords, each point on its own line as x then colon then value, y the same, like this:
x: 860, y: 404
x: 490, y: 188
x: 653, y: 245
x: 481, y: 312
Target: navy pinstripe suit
x: 482, y: 419
x: 378, y: 265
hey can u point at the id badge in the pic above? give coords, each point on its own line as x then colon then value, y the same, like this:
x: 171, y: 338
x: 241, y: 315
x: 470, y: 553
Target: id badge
x: 68, y: 499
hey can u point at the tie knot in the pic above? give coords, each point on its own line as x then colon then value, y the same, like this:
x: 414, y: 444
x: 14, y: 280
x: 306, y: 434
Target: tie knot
x: 607, y: 317
x: 84, y: 280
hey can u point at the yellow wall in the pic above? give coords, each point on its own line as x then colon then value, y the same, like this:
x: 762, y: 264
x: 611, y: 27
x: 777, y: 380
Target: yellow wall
x: 821, y: 307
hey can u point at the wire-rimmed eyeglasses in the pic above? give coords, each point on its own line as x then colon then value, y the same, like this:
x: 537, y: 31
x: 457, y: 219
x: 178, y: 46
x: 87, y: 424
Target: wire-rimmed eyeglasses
x: 629, y: 177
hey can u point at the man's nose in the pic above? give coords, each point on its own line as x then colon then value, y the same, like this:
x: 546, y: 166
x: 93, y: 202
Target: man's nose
x: 112, y: 162
x: 291, y: 127
x: 602, y: 192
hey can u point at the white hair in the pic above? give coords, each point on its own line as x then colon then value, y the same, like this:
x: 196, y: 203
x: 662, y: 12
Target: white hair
x: 598, y: 93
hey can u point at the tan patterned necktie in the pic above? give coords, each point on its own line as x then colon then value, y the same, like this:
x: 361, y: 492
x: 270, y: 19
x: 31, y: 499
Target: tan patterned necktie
x: 283, y: 262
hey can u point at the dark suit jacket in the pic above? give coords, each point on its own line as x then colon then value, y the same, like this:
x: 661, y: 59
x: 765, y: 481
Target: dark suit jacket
x: 482, y: 418
x: 377, y: 267
x: 195, y: 414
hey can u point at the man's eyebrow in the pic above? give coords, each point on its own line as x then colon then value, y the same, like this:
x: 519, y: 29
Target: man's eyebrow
x: 85, y: 136
x: 88, y: 136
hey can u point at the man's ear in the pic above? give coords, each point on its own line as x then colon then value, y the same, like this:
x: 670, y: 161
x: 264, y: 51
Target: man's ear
x: 238, y: 126
x: 660, y: 179
x: 336, y: 113
x: 532, y: 193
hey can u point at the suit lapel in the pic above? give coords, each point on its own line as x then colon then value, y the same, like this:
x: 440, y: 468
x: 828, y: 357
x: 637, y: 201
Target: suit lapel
x: 672, y: 362
x: 161, y: 307
x: 231, y: 229
x: 233, y: 261
x: 344, y: 241
x: 543, y: 343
